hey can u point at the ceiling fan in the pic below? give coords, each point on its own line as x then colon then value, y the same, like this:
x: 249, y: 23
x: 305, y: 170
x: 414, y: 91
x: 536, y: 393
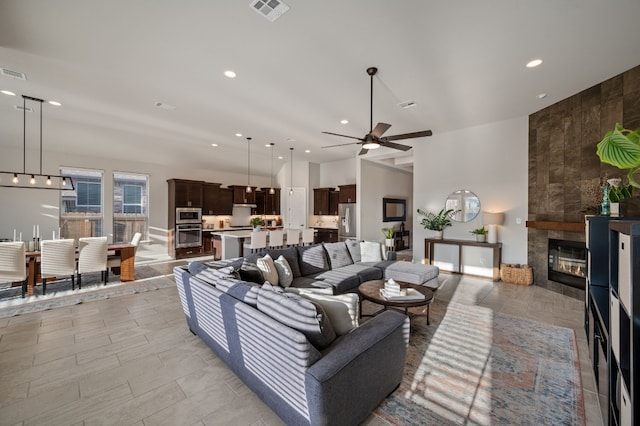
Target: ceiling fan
x: 374, y: 138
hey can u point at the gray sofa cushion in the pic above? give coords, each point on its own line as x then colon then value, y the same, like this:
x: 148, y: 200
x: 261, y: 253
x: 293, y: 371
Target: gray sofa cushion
x: 298, y: 313
x: 354, y: 250
x: 244, y: 291
x: 214, y: 276
x: 291, y: 254
x: 338, y: 255
x: 364, y: 272
x: 312, y: 259
x: 310, y: 282
x: 340, y: 279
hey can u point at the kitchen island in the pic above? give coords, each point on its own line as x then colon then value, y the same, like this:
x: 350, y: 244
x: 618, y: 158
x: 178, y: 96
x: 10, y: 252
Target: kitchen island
x: 231, y: 241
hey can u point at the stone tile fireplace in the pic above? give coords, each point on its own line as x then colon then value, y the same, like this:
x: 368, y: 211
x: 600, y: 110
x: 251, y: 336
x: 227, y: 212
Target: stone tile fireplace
x: 567, y: 262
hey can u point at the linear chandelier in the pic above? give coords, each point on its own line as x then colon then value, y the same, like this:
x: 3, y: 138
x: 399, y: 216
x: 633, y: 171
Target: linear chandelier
x: 25, y: 179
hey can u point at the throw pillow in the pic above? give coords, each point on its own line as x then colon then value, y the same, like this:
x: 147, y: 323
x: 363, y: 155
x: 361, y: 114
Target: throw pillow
x: 296, y: 312
x: 250, y: 272
x: 338, y: 254
x: 289, y: 253
x: 268, y: 268
x: 354, y: 250
x: 343, y: 309
x: 285, y: 275
x: 312, y: 259
x: 370, y: 251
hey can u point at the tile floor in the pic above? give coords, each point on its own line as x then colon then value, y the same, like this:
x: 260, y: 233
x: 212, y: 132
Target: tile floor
x: 131, y: 360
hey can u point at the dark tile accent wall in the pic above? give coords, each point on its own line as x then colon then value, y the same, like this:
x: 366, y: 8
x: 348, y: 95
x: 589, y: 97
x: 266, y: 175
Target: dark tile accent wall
x: 562, y: 158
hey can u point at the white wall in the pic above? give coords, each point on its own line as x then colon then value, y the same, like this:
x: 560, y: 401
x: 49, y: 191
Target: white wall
x: 490, y: 160
x: 334, y: 173
x: 20, y: 209
x: 376, y: 182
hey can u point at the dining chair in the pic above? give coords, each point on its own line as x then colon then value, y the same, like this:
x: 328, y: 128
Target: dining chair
x: 113, y: 260
x: 293, y: 237
x: 258, y: 241
x: 276, y: 238
x: 307, y: 236
x: 92, y: 257
x: 57, y: 259
x: 13, y: 263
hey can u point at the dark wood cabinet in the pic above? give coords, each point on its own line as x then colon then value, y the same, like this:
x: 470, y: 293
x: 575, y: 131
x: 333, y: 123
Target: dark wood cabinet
x: 268, y: 204
x: 323, y: 235
x: 324, y: 203
x: 210, y: 195
x: 347, y: 193
x: 224, y: 204
x: 207, y: 243
x: 241, y: 196
x: 334, y: 200
x: 187, y: 193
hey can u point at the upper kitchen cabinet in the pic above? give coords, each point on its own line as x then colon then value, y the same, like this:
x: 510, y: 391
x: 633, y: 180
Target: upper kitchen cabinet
x: 347, y: 193
x: 268, y: 204
x: 186, y: 193
x: 334, y: 199
x: 241, y: 196
x: 224, y: 205
x: 321, y: 201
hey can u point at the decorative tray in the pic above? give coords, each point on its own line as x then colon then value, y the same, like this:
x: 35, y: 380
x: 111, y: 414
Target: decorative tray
x: 411, y: 294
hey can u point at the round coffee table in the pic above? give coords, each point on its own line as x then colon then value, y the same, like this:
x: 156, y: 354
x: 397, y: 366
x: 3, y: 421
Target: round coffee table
x: 370, y: 290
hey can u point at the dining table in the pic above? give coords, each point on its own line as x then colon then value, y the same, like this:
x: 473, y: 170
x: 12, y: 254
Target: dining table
x: 126, y: 252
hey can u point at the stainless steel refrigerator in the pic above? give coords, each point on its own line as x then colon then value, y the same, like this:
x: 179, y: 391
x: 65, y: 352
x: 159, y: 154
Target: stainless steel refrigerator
x: 346, y: 221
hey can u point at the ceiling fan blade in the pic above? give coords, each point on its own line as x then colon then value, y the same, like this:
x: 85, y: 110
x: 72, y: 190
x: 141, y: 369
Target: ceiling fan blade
x: 344, y: 136
x: 363, y: 151
x: 341, y: 144
x: 379, y: 130
x: 408, y: 136
x: 395, y: 145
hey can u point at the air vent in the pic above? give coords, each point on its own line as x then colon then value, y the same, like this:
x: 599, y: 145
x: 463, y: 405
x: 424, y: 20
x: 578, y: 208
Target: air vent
x: 407, y: 104
x: 21, y: 108
x: 164, y: 105
x: 270, y: 9
x: 13, y: 74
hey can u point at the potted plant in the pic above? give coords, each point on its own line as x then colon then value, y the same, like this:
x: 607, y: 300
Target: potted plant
x: 618, y: 191
x: 621, y: 148
x: 256, y: 222
x: 388, y: 237
x: 436, y: 222
x: 481, y: 234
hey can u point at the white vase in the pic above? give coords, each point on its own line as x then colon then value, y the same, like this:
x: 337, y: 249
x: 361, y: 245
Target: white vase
x: 614, y: 208
x: 438, y: 235
x: 389, y: 243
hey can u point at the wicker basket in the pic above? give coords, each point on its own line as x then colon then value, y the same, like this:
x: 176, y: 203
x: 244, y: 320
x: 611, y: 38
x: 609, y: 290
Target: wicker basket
x: 516, y: 274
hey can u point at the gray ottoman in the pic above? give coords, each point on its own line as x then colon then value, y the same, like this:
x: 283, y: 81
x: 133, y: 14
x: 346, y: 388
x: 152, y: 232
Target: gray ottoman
x: 414, y: 273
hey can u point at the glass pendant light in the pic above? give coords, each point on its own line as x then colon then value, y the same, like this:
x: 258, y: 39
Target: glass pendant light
x: 291, y: 173
x: 248, y: 190
x: 272, y: 190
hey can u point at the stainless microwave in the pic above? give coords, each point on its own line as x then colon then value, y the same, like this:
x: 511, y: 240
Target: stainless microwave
x: 188, y: 215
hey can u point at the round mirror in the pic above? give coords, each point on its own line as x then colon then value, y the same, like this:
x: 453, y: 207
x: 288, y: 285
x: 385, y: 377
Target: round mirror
x: 465, y: 203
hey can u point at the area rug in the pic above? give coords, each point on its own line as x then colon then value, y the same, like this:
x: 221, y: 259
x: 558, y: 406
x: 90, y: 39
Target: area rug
x: 473, y: 366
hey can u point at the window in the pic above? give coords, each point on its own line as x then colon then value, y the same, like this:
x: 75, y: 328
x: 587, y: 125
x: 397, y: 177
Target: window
x: 81, y: 210
x: 130, y: 206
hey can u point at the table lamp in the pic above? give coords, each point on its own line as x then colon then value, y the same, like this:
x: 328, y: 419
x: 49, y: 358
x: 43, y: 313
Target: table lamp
x: 492, y: 220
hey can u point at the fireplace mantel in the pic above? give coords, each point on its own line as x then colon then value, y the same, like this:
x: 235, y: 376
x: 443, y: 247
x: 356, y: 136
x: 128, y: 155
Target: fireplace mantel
x: 556, y: 226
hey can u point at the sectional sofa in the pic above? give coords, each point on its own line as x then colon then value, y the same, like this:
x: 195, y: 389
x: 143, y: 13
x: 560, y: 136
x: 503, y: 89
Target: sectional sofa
x: 293, y: 350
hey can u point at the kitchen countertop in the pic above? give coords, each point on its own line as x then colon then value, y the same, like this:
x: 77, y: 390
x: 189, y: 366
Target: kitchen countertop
x: 324, y: 227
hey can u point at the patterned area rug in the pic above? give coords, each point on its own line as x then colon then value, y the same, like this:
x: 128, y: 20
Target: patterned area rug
x: 473, y: 366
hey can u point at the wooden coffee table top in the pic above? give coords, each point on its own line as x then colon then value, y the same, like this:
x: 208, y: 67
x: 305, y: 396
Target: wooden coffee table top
x: 370, y: 290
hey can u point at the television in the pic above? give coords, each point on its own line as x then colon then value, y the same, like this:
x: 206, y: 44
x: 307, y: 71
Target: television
x: 394, y: 210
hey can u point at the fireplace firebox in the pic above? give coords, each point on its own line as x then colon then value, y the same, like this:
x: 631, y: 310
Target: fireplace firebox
x: 568, y: 262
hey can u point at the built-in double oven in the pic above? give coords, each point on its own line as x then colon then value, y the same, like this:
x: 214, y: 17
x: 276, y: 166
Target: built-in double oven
x: 188, y: 227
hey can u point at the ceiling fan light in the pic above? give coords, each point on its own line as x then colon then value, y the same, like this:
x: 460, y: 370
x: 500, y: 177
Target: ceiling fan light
x: 371, y: 145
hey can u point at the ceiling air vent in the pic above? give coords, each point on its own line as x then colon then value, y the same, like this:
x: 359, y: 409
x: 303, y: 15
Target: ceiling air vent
x: 270, y: 9
x: 13, y: 74
x: 407, y: 104
x: 21, y: 108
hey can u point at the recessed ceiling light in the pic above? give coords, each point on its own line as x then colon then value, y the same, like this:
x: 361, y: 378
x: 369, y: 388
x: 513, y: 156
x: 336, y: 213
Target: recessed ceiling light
x: 267, y: 145
x: 55, y: 103
x: 239, y: 135
x: 541, y: 95
x: 214, y: 144
x: 230, y: 74
x: 307, y: 151
x: 280, y: 157
x: 344, y: 121
x: 407, y: 104
x: 291, y: 140
x: 534, y: 63
x: 6, y: 92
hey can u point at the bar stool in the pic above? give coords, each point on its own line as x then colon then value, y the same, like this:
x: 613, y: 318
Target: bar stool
x: 293, y: 237
x: 276, y: 238
x: 307, y: 236
x: 258, y: 241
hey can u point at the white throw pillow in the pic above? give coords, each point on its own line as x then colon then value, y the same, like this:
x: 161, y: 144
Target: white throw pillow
x: 370, y: 251
x: 343, y: 310
x: 285, y: 275
x: 268, y: 268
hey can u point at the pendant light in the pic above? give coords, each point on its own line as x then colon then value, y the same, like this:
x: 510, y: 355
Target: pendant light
x: 33, y: 180
x: 272, y: 190
x: 291, y: 173
x: 248, y: 190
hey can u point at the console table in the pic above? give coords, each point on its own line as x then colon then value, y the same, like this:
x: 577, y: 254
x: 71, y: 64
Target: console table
x: 402, y: 240
x: 429, y: 252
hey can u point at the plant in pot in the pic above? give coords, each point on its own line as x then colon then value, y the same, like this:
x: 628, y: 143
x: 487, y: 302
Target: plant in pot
x: 389, y: 242
x: 436, y: 222
x: 620, y: 147
x: 481, y: 234
x: 618, y: 191
x: 256, y: 222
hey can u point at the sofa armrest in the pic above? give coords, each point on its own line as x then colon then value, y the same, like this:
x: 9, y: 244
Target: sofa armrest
x: 359, y: 371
